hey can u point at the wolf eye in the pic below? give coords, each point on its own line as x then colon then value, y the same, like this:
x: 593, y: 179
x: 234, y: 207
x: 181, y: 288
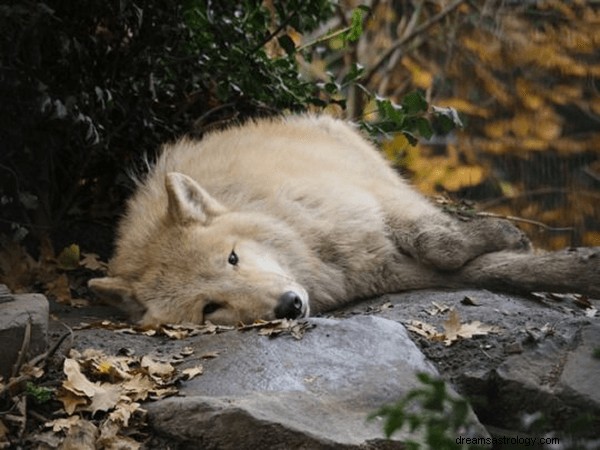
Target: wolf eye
x: 233, y: 258
x: 210, y: 308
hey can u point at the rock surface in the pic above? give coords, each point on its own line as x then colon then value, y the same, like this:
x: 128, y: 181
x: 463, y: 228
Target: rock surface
x: 541, y: 360
x: 283, y: 393
x: 315, y: 393
x: 16, y: 312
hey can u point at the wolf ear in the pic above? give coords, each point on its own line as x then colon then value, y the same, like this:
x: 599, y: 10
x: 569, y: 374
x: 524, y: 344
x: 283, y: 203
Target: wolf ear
x: 119, y: 293
x: 188, y: 202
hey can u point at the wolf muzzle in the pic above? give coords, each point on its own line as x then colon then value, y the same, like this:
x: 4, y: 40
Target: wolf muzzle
x: 289, y: 306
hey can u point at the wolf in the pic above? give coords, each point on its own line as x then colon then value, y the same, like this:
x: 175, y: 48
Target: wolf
x: 286, y: 217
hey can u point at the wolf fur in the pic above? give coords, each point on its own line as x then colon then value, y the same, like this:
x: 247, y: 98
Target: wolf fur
x: 291, y: 216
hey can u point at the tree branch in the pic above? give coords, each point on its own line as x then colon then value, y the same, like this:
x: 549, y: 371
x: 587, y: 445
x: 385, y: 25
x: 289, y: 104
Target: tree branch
x: 405, y: 39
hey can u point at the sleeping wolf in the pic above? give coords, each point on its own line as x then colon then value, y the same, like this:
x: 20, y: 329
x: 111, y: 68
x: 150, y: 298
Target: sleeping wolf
x: 286, y: 217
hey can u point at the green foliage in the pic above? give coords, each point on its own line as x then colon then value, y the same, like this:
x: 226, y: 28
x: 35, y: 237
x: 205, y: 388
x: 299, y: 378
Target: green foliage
x: 440, y: 416
x: 88, y: 87
x: 38, y: 394
x: 414, y: 118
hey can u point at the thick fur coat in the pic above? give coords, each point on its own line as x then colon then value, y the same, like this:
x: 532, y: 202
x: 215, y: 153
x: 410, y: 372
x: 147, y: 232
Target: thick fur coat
x: 284, y: 217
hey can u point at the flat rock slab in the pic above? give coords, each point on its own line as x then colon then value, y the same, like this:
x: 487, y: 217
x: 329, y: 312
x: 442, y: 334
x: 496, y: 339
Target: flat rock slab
x: 283, y: 393
x: 15, y: 315
x: 313, y: 393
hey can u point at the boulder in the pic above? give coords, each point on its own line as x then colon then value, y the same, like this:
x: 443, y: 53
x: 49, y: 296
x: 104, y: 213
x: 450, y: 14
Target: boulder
x: 540, y: 361
x: 19, y: 315
x: 282, y: 393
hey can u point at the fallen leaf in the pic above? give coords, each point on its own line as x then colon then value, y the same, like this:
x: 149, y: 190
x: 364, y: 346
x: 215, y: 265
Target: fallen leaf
x: 62, y: 424
x: 453, y: 329
x: 424, y: 329
x: 123, y: 413
x: 277, y: 327
x: 81, y: 436
x: 157, y: 369
x: 68, y: 259
x: 138, y: 387
x: 59, y: 288
x: 92, y: 261
x: 76, y: 381
x: 71, y: 401
x: 192, y: 372
x: 105, y: 397
x: 17, y: 268
x: 438, y: 308
x: 210, y: 355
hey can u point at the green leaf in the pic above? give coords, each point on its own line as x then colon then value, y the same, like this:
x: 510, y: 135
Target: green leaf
x: 390, y: 112
x: 356, y: 72
x: 356, y: 24
x: 414, y: 103
x: 424, y: 127
x: 69, y: 258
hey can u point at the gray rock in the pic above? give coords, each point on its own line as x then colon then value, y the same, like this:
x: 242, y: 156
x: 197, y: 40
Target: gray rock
x: 540, y: 361
x: 14, y: 317
x: 313, y: 393
x: 317, y: 392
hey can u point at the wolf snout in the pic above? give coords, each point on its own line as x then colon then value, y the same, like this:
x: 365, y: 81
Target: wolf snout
x: 289, y: 306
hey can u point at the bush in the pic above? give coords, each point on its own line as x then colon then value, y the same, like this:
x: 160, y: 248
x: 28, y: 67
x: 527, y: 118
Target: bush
x: 88, y: 87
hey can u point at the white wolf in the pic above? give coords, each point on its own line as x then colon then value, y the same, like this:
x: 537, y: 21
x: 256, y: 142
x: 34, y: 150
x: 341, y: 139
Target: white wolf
x: 279, y: 218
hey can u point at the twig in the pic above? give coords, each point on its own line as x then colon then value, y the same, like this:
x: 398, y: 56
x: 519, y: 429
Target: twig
x: 15, y: 381
x: 402, y: 41
x: 523, y: 220
x: 24, y: 349
x: 274, y: 33
x: 536, y: 192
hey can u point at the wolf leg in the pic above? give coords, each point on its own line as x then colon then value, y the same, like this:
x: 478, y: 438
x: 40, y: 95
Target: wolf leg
x: 447, y: 243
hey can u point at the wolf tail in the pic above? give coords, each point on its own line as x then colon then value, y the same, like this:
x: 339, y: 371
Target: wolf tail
x: 574, y: 270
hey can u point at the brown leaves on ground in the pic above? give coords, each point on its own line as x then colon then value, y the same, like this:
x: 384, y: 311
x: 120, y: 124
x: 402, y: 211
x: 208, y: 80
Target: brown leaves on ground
x: 279, y: 327
x: 22, y: 273
x: 453, y: 329
x: 100, y: 398
x: 273, y: 328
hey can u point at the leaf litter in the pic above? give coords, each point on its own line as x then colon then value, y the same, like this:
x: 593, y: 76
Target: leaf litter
x: 98, y: 403
x: 453, y: 329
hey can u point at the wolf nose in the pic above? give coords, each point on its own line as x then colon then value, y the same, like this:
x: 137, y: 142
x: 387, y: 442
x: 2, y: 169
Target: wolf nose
x: 289, y: 306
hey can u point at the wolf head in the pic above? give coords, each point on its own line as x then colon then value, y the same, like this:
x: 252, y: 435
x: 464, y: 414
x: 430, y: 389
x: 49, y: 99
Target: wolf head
x: 208, y: 263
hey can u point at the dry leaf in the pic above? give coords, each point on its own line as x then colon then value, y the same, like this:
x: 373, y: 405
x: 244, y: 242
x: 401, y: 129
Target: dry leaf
x: 81, y: 436
x: 59, y: 288
x: 62, y: 424
x: 424, y: 329
x: 453, y: 329
x: 157, y: 369
x: 277, y: 327
x: 71, y: 401
x: 92, y: 261
x: 77, y: 382
x: 438, y: 308
x: 105, y: 398
x: 138, y: 387
x: 123, y: 413
x: 192, y: 372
